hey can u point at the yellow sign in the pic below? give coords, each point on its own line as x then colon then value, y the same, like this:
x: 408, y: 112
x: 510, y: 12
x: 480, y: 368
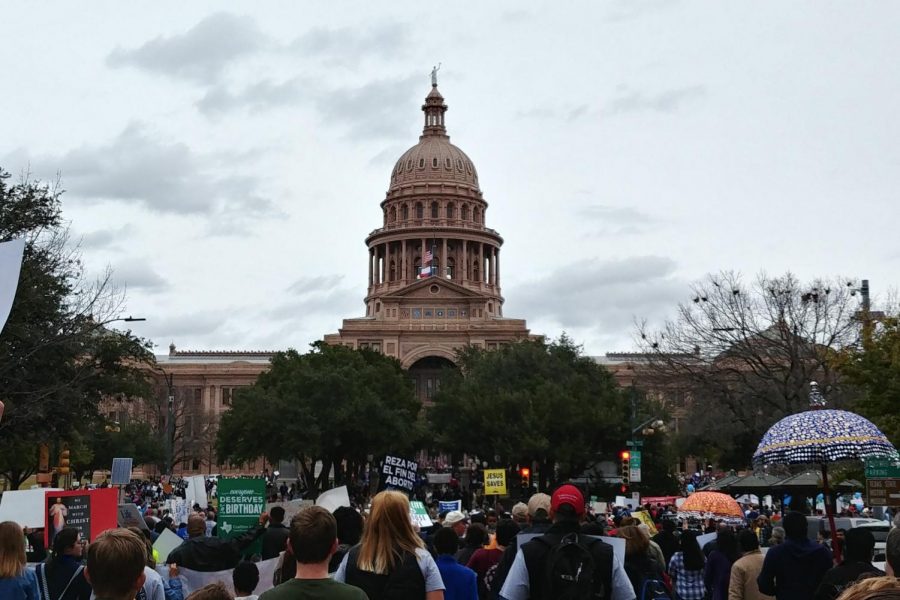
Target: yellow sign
x: 495, y: 482
x: 645, y: 518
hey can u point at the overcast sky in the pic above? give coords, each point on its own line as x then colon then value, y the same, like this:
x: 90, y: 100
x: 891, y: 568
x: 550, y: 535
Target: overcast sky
x: 227, y: 159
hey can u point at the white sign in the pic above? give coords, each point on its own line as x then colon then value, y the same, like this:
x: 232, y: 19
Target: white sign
x: 196, y: 491
x: 25, y: 507
x: 165, y: 543
x: 10, y: 266
x: 290, y: 508
x: 194, y: 580
x: 419, y: 514
x: 706, y: 538
x: 334, y: 499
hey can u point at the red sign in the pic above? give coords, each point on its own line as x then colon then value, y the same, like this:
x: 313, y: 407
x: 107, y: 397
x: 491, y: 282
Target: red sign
x: 90, y: 511
x: 654, y: 500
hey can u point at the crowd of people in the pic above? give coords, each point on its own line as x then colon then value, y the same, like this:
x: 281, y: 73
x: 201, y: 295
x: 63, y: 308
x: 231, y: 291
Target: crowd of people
x: 552, y: 547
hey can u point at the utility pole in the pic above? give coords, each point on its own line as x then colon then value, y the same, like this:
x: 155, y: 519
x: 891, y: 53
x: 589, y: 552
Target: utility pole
x: 170, y: 423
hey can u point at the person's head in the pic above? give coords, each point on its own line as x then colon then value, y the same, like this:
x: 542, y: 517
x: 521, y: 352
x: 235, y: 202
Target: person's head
x: 456, y: 521
x: 476, y: 535
x: 349, y: 525
x: 245, y: 578
x: 567, y: 504
x: 147, y: 543
x: 636, y: 543
x: 859, y: 545
x: 213, y: 591
x: 276, y: 515
x: 160, y: 527
x: 748, y: 541
x: 520, y: 512
x: 795, y: 526
x: 313, y: 535
x: 115, y: 565
x: 892, y: 550
x: 388, y: 533
x: 196, y: 525
x: 445, y: 541
x: 628, y: 522
x: 694, y: 558
x: 539, y: 507
x: 12, y: 549
x: 668, y: 526
x: 777, y: 535
x: 491, y: 519
x: 507, y: 530
x: 727, y: 544
x: 67, y: 542
x: 873, y: 588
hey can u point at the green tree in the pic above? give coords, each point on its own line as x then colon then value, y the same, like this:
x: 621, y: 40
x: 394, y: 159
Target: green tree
x: 874, y: 367
x: 531, y: 401
x: 95, y: 448
x: 333, y: 404
x: 57, y: 358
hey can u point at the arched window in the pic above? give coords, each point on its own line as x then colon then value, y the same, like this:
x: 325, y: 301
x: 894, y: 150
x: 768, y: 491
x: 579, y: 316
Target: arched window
x: 434, y: 210
x: 448, y: 164
x: 420, y: 211
x: 421, y: 163
x: 434, y: 162
x: 475, y: 271
x: 450, y: 211
x: 392, y: 275
x: 464, y: 212
x: 451, y: 267
x: 393, y: 214
x: 417, y: 267
x: 404, y: 212
x: 476, y: 213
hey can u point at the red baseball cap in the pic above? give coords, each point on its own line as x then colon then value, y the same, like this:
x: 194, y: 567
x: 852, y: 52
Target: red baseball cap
x: 568, y: 494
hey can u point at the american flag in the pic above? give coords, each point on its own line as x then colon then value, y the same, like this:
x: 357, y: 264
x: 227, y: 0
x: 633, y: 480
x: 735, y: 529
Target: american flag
x: 428, y: 257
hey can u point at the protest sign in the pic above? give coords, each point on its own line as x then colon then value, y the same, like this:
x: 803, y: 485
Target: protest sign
x: 706, y: 538
x: 121, y: 471
x: 419, y: 514
x: 165, y: 543
x: 398, y: 473
x: 10, y: 265
x: 25, y: 507
x: 645, y: 518
x: 445, y: 506
x: 89, y: 511
x: 599, y: 508
x: 130, y: 516
x: 621, y: 501
x: 290, y: 508
x: 192, y: 581
x: 241, y: 501
x: 334, y: 499
x: 495, y: 482
x: 195, y: 492
x: 438, y: 478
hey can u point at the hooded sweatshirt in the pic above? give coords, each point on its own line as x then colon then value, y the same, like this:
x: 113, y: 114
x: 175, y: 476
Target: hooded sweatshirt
x: 794, y: 569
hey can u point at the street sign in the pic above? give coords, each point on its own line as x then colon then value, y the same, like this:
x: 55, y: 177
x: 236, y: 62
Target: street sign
x: 635, y: 444
x: 883, y: 492
x: 882, y: 467
x: 635, y: 471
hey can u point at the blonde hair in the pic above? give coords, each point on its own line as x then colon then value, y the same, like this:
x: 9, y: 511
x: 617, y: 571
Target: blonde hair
x: 12, y: 550
x: 635, y: 540
x: 115, y: 562
x: 873, y: 588
x: 388, y: 534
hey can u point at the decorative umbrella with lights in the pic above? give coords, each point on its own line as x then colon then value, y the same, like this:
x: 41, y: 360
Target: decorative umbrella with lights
x: 716, y: 505
x: 821, y: 437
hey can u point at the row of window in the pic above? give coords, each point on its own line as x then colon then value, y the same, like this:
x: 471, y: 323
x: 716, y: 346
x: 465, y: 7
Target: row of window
x: 461, y: 165
x: 435, y: 212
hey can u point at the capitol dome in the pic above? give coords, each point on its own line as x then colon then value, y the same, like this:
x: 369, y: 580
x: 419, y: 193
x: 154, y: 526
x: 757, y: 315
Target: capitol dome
x: 434, y: 158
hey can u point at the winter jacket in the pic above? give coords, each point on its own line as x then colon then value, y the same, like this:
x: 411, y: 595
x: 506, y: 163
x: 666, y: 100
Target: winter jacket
x: 794, y: 569
x: 744, y: 572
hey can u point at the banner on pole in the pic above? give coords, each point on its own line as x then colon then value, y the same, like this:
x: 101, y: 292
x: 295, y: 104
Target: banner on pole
x: 495, y: 482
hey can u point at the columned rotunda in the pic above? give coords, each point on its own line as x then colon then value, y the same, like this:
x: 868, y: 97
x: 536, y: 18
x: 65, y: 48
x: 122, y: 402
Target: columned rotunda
x: 434, y: 266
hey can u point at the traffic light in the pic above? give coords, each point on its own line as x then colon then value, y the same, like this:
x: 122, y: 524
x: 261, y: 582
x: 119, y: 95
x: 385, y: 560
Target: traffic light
x: 525, y: 473
x: 626, y: 467
x: 63, y: 468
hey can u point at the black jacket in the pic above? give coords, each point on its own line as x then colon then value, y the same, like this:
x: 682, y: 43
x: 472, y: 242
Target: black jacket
x: 274, y: 540
x: 57, y: 573
x: 506, y: 560
x: 668, y: 543
x: 209, y: 554
x: 841, y: 576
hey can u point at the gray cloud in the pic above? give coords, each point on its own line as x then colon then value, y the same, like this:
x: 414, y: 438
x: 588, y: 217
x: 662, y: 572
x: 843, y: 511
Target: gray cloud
x: 606, y: 295
x: 175, y: 326
x: 567, y: 113
x: 316, y: 283
x: 200, y: 54
x: 137, y: 274
x: 164, y: 177
x: 257, y: 97
x: 106, y: 238
x: 349, y: 46
x: 631, y: 101
x: 614, y: 220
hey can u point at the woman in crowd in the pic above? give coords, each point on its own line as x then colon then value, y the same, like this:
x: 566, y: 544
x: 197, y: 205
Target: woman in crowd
x: 717, y: 573
x: 16, y: 581
x: 644, y: 572
x: 391, y: 560
x: 686, y: 569
x: 62, y: 576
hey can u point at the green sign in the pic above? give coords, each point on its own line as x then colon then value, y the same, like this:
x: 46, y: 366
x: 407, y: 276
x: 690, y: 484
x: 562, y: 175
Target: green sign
x: 241, y: 500
x: 882, y: 467
x: 635, y: 466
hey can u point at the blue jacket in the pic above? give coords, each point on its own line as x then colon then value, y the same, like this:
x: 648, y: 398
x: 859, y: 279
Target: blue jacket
x: 23, y: 587
x: 793, y: 570
x: 460, y: 583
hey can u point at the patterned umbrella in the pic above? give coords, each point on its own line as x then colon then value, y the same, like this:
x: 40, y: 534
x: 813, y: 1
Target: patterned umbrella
x: 821, y: 436
x: 715, y: 505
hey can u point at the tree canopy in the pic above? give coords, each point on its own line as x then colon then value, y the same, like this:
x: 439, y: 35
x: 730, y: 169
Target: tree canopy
x: 332, y: 404
x: 58, y: 359
x: 531, y: 401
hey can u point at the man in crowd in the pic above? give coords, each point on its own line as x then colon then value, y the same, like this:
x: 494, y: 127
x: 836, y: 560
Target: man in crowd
x: 458, y: 522
x: 207, y: 554
x: 115, y: 565
x: 245, y: 578
x: 276, y: 535
x: 536, y: 521
x: 745, y: 570
x: 520, y: 514
x: 892, y: 549
x: 459, y: 581
x: 312, y: 541
x: 666, y: 540
x: 794, y: 569
x: 859, y: 547
x: 533, y: 576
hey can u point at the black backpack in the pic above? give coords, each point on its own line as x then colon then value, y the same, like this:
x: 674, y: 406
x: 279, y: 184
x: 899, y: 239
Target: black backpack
x: 571, y: 567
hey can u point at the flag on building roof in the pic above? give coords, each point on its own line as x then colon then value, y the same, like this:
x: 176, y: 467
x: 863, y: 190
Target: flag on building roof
x: 428, y: 257
x: 426, y: 272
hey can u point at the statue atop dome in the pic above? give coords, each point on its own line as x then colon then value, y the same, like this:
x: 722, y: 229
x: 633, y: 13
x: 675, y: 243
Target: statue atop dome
x: 434, y: 72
